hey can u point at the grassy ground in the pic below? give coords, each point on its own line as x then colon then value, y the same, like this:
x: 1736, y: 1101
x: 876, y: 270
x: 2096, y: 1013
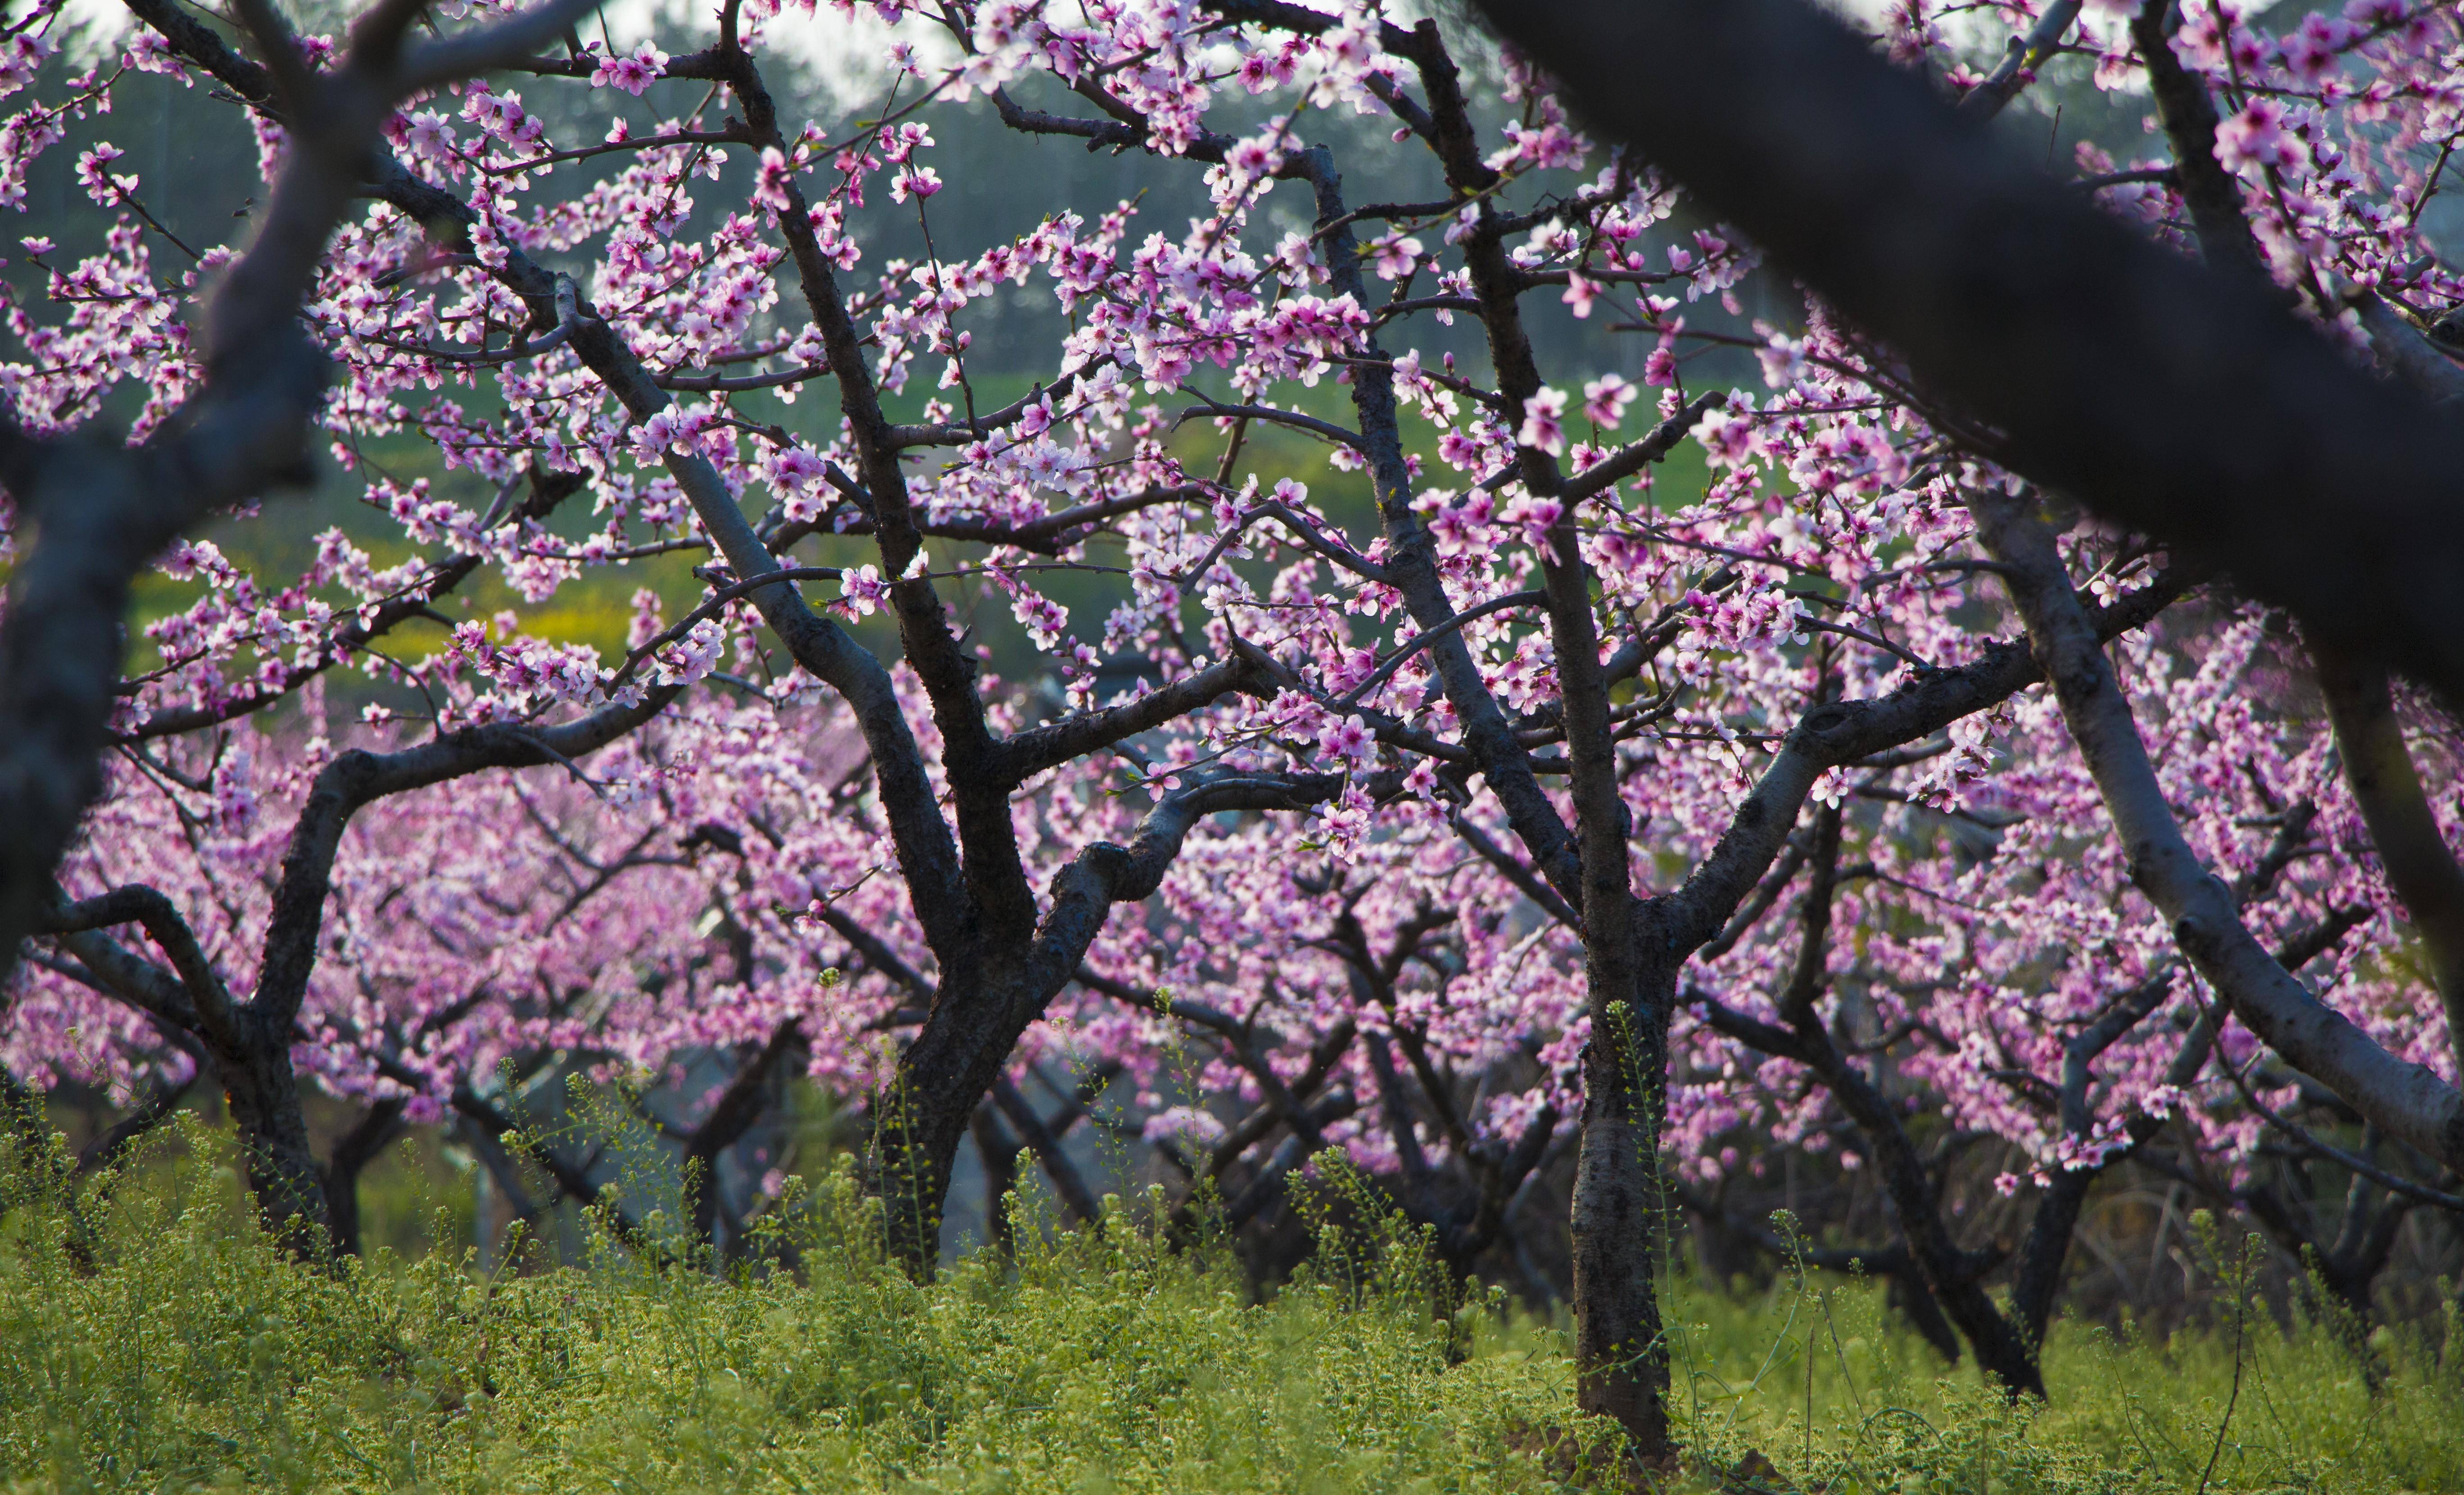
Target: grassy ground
x: 192, y: 1357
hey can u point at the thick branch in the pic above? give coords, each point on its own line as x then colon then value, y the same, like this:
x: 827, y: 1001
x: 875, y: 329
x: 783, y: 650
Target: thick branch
x: 358, y: 778
x: 207, y: 996
x: 2179, y: 402
x: 1411, y: 555
x: 996, y: 904
x: 2407, y: 1100
x: 2019, y: 59
x: 1103, y: 874
x: 2190, y: 120
x: 1844, y: 732
x: 2419, y: 864
x: 1027, y: 754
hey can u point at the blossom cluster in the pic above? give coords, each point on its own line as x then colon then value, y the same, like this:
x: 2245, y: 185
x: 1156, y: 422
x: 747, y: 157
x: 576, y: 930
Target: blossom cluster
x: 688, y: 888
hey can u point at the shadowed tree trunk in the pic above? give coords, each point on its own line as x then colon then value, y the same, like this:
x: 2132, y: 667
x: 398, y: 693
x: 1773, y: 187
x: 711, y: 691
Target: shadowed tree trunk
x: 364, y: 1144
x: 999, y: 1151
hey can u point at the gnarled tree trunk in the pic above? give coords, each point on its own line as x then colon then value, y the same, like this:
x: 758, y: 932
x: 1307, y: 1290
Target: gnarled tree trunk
x: 1620, y: 1348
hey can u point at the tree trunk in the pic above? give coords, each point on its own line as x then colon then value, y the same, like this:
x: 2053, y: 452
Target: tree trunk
x: 2039, y: 1281
x: 739, y: 1106
x: 263, y: 1093
x: 357, y: 1147
x: 1620, y: 1355
x: 999, y: 1154
x: 2005, y: 1352
x: 926, y: 1110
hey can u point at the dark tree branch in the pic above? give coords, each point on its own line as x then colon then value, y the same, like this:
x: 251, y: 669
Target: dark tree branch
x: 1514, y: 872
x: 2188, y: 117
x: 2024, y: 53
x: 1077, y: 1200
x: 2180, y: 402
x: 992, y: 903
x: 1031, y: 751
x: 1844, y: 732
x: 2043, y: 1256
x: 1103, y: 874
x: 357, y: 778
x: 2419, y: 864
x: 1411, y: 555
x: 875, y: 951
x: 161, y: 1102
x: 214, y: 1016
x: 1628, y: 460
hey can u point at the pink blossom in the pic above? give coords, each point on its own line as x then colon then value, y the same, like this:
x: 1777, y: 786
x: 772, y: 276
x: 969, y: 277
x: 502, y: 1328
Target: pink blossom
x: 1393, y: 254
x: 1605, y: 399
x: 93, y: 174
x: 864, y: 590
x: 1254, y: 157
x: 1543, y: 426
x: 634, y: 72
x: 1348, y: 741
x: 1728, y: 438
x: 2258, y: 136
x: 1535, y: 517
x: 771, y: 180
x: 1182, y: 1124
x: 1581, y: 291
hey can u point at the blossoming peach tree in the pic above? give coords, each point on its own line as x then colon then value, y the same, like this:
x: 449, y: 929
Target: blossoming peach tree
x: 1482, y: 802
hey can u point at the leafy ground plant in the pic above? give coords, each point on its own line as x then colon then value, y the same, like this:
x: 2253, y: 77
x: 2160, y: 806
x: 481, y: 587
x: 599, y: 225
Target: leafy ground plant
x: 157, y: 1339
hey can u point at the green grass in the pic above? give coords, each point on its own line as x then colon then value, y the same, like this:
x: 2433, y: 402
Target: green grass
x: 192, y: 1356
x: 2125, y: 1415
